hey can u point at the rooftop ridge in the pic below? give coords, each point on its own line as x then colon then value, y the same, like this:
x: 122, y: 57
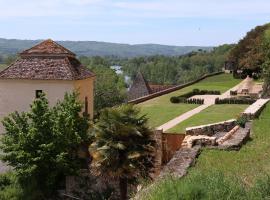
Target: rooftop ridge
x: 47, y: 61
x: 47, y: 48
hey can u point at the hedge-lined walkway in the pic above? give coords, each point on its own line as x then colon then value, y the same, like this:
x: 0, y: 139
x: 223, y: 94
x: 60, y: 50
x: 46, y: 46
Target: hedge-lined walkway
x: 209, y: 101
x: 160, y: 110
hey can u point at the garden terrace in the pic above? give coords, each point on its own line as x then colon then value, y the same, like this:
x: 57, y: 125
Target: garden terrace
x: 160, y: 110
x: 213, y: 114
x: 221, y: 172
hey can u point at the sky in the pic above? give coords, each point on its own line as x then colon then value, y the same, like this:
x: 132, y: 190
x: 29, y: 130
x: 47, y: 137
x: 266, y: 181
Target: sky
x: 171, y: 22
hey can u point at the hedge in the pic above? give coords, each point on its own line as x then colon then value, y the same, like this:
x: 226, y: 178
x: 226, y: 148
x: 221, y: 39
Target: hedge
x: 234, y: 101
x: 184, y: 97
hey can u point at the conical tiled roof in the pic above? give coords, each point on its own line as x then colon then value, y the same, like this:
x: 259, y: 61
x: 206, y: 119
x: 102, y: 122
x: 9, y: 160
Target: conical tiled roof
x: 46, y: 61
x: 139, y: 87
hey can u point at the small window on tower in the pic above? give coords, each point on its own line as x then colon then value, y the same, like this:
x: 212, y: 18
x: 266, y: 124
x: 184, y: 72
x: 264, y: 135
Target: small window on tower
x: 38, y: 93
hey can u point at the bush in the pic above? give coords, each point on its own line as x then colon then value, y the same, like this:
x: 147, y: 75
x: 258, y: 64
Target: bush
x: 234, y: 101
x: 233, y: 93
x: 175, y: 100
x: 49, y: 138
x: 184, y: 97
x: 241, y: 121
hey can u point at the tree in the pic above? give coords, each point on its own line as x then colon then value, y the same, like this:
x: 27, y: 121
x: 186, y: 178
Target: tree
x: 123, y: 146
x: 110, y: 88
x: 266, y: 64
x: 248, y: 54
x: 41, y: 145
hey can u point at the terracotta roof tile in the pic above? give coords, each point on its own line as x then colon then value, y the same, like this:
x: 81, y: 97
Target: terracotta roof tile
x: 48, y: 47
x: 59, y: 65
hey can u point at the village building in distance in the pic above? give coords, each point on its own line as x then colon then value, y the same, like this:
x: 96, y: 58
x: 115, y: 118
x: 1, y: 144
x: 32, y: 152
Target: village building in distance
x: 140, y: 87
x: 47, y: 67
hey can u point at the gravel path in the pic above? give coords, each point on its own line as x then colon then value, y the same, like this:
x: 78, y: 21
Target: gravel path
x: 208, y: 100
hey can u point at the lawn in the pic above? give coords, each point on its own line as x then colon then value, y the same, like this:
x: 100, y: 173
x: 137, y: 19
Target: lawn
x: 248, y: 163
x: 227, y: 175
x: 212, y: 114
x: 160, y: 110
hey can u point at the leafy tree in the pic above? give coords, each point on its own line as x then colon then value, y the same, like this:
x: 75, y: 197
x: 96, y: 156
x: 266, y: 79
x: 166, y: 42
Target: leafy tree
x: 266, y: 64
x: 109, y: 89
x: 41, y: 145
x: 177, y: 69
x: 123, y: 146
x: 248, y: 54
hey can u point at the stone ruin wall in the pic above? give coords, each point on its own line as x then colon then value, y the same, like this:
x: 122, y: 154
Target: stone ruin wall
x: 211, y: 129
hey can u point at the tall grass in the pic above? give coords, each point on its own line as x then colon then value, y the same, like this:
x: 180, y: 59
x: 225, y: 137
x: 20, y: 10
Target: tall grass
x: 212, y: 186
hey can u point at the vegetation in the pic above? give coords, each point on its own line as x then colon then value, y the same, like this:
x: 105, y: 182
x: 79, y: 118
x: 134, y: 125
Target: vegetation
x: 160, y: 110
x: 234, y: 100
x: 252, y: 55
x: 183, y: 98
x: 123, y: 146
x: 225, y: 174
x: 266, y: 64
x: 41, y: 145
x: 110, y: 88
x: 213, y: 114
x: 178, y: 69
x: 92, y: 48
x: 210, y: 186
x: 248, y: 54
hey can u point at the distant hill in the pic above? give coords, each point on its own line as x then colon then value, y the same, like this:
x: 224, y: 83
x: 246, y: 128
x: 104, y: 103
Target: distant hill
x: 92, y: 48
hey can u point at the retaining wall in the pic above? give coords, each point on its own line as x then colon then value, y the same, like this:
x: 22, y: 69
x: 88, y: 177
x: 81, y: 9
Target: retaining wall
x: 254, y: 110
x: 163, y: 92
x: 211, y: 129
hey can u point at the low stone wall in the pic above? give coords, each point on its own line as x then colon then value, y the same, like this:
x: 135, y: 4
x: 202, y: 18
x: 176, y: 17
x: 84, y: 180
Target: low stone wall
x: 178, y: 87
x: 211, y: 129
x: 254, y: 110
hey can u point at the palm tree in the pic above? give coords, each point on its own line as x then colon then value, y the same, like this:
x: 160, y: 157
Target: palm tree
x: 123, y: 146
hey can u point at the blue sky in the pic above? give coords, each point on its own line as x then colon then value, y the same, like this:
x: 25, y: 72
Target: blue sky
x: 173, y: 22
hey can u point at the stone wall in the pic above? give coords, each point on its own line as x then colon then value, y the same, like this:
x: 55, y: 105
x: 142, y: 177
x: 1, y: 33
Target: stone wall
x: 159, y: 152
x: 167, y: 91
x: 254, y: 110
x: 211, y: 129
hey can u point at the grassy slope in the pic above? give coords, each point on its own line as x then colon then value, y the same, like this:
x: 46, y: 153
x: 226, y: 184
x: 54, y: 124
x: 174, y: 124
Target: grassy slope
x: 247, y: 165
x: 213, y: 114
x: 252, y: 160
x: 160, y: 110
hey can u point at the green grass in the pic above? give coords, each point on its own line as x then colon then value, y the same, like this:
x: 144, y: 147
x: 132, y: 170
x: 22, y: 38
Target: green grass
x: 221, y: 174
x: 213, y: 114
x: 160, y: 110
x: 251, y: 161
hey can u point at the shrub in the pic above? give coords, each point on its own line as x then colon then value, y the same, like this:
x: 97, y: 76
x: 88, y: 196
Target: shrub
x: 234, y: 101
x: 184, y: 97
x: 233, y: 93
x: 49, y: 137
x: 175, y: 100
x: 241, y: 121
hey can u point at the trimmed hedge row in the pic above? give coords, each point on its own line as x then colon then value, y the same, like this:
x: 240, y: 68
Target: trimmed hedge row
x: 185, y: 100
x: 234, y: 101
x: 184, y: 97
